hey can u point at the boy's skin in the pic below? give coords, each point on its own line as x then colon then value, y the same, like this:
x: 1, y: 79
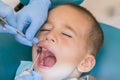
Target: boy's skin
x: 65, y: 36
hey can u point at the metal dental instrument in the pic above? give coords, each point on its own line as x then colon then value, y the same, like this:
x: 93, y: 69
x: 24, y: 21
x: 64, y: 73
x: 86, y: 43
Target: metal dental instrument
x: 3, y: 22
x: 35, y: 60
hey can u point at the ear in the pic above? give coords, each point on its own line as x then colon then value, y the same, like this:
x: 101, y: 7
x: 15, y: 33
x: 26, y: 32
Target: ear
x: 87, y: 63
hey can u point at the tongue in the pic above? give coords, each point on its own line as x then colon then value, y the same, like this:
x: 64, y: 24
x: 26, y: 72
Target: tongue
x: 49, y: 61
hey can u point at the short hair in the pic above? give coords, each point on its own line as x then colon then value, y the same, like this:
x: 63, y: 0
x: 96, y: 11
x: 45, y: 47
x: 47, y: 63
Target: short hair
x: 95, y: 35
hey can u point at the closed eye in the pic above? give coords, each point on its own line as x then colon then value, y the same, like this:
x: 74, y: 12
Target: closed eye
x: 67, y: 35
x: 44, y: 30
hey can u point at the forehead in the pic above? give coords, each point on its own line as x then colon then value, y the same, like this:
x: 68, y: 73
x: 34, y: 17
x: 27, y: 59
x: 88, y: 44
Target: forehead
x: 67, y: 15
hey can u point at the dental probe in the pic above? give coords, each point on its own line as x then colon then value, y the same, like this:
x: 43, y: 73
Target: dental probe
x: 3, y: 22
x: 35, y: 60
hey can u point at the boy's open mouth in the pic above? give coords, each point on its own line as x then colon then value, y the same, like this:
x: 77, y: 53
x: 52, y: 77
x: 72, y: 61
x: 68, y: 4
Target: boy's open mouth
x: 46, y: 58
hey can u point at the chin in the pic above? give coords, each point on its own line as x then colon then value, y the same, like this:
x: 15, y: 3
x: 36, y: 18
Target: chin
x: 53, y: 73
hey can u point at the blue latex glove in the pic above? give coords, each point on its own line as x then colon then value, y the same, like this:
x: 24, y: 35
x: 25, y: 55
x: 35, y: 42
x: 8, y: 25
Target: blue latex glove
x: 11, y: 30
x: 7, y: 13
x: 33, y: 76
x: 31, y: 18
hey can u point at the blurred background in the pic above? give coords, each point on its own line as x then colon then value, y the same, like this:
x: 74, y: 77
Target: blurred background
x: 106, y: 11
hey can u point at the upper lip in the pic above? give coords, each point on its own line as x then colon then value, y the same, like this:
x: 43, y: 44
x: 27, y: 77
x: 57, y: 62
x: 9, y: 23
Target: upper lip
x: 45, y: 46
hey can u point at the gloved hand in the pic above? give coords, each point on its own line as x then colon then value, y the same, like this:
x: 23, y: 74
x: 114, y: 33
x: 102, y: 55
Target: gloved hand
x: 7, y: 13
x: 7, y: 29
x: 31, y: 18
x: 11, y: 30
x: 33, y: 76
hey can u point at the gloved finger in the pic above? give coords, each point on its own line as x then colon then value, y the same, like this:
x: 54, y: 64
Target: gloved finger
x: 36, y: 76
x: 8, y: 13
x: 22, y: 22
x: 23, y: 40
x: 35, y: 40
x: 11, y: 19
x: 10, y: 29
x: 32, y: 30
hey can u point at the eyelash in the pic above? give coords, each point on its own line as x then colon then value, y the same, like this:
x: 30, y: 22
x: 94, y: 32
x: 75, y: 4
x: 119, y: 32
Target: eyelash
x: 44, y: 30
x: 62, y: 33
x: 67, y: 35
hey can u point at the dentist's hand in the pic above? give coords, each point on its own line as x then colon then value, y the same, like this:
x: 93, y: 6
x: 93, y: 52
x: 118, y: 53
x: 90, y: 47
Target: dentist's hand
x: 31, y: 18
x: 12, y: 30
x: 7, y: 13
x: 33, y: 76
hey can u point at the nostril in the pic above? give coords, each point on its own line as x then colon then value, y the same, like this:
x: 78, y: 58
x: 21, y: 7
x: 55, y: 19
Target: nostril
x: 46, y: 39
x: 50, y: 40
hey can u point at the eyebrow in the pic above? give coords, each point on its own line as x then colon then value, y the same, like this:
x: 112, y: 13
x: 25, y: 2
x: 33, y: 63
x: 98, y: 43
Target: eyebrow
x: 71, y: 29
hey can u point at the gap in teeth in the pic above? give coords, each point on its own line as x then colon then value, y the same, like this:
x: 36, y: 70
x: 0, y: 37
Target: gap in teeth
x: 39, y: 49
x: 42, y: 62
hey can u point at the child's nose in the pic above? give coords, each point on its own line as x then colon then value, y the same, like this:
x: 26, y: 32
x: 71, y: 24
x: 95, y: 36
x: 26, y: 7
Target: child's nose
x: 51, y: 37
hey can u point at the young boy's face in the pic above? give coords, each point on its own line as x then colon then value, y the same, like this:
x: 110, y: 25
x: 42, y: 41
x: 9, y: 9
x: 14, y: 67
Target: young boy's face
x: 63, y: 43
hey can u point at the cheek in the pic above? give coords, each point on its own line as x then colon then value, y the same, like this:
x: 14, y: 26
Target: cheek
x: 34, y: 53
x: 69, y: 55
x: 39, y: 36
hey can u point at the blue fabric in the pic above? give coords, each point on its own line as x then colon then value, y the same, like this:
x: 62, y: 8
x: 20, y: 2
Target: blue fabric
x: 23, y: 66
x: 21, y: 70
x: 29, y: 76
x: 24, y: 2
x: 58, y: 2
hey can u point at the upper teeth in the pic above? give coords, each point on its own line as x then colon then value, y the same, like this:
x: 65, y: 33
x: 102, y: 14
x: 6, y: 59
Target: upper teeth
x: 44, y: 49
